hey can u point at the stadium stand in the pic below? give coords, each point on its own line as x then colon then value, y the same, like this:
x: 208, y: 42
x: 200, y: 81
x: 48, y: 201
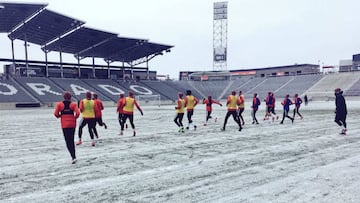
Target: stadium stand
x: 299, y: 85
x: 12, y: 92
x: 77, y: 87
x: 41, y: 88
x: 186, y: 85
x: 165, y: 90
x: 213, y: 88
x: 354, y: 90
x: 271, y: 84
x: 324, y: 88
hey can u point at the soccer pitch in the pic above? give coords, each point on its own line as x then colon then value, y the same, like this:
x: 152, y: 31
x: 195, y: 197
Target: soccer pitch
x: 300, y: 162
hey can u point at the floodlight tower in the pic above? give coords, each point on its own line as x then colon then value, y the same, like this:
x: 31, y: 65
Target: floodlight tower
x: 220, y: 36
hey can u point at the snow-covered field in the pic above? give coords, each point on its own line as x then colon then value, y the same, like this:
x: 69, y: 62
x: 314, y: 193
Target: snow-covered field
x: 307, y: 161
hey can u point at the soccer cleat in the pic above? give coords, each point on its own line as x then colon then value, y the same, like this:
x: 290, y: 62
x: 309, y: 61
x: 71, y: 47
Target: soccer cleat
x: 195, y: 127
x: 93, y: 143
x: 292, y: 120
x: 79, y: 142
x: 215, y: 119
x: 97, y: 136
x: 343, y: 132
x: 73, y: 161
x: 281, y: 122
x: 134, y: 133
x: 121, y: 132
x: 126, y: 125
x: 222, y: 129
x: 277, y: 117
x: 105, y: 126
x: 205, y: 124
x: 240, y: 128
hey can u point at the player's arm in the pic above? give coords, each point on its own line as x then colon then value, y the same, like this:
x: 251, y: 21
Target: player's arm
x: 76, y: 110
x: 138, y: 107
x: 57, y: 110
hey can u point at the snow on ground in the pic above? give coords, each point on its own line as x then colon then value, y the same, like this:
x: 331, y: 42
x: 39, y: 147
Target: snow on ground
x: 301, y: 162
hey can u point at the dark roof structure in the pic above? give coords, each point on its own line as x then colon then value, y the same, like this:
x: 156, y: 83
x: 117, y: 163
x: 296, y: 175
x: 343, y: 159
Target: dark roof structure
x: 56, y: 32
x: 12, y: 15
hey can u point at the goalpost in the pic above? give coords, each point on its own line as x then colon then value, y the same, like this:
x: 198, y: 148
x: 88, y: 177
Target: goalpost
x: 148, y: 100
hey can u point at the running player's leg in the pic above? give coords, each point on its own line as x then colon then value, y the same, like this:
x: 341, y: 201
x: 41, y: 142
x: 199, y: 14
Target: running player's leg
x: 226, y: 119
x: 236, y: 119
x: 81, y: 126
x: 176, y: 120
x: 69, y: 134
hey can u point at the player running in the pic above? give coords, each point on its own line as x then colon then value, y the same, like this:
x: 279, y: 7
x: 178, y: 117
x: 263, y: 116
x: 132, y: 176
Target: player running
x: 241, y: 107
x: 128, y: 109
x: 99, y: 107
x: 209, y: 101
x: 119, y: 109
x: 340, y: 111
x: 190, y: 103
x: 180, y: 109
x: 87, y: 109
x: 231, y: 103
x: 297, y: 101
x: 68, y: 112
x: 255, y: 106
x: 286, y: 107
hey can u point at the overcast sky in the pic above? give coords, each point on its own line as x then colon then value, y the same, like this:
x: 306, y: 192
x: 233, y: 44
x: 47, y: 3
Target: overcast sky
x: 261, y: 33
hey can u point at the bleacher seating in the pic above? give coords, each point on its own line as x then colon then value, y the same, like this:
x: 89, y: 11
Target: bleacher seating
x: 41, y: 88
x: 324, y: 89
x: 298, y: 85
x: 47, y: 90
x: 77, y: 87
x: 12, y: 92
x: 167, y: 92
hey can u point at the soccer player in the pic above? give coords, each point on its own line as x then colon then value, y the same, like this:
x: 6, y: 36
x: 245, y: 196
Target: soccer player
x: 241, y: 107
x: 119, y: 109
x: 270, y: 106
x: 209, y: 101
x: 255, y: 106
x: 286, y: 107
x: 87, y: 109
x: 340, y: 111
x: 190, y: 103
x: 98, y: 114
x: 68, y: 112
x: 180, y: 109
x: 128, y: 109
x: 297, y: 102
x: 231, y: 103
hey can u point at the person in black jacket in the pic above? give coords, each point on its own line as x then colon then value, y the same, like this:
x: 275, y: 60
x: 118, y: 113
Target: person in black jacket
x: 341, y: 110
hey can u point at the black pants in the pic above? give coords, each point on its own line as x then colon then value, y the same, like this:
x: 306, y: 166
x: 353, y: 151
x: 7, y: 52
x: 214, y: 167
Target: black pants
x: 69, y: 134
x: 286, y: 114
x: 240, y: 111
x: 189, y: 115
x: 253, y: 113
x: 208, y: 115
x: 340, y: 119
x: 235, y: 117
x: 90, y: 122
x: 101, y: 123
x: 178, y: 119
x: 131, y: 119
x: 296, y: 111
x: 120, y: 117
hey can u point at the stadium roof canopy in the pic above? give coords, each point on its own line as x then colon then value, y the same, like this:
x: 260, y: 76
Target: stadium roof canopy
x: 12, y: 15
x: 56, y: 32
